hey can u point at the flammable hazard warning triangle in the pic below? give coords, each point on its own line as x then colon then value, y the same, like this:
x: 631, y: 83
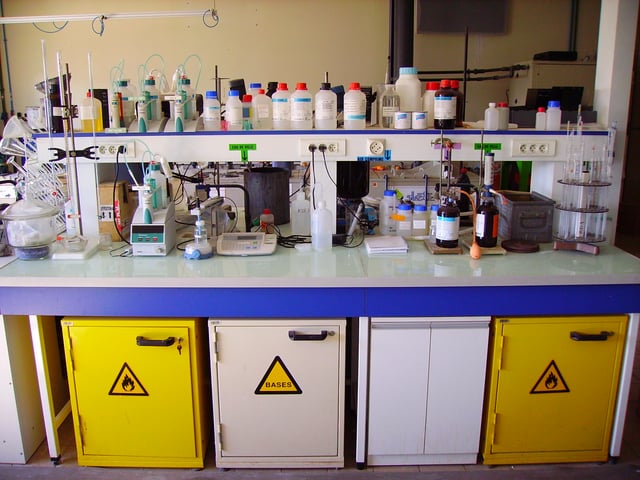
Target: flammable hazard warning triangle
x: 127, y: 383
x: 551, y: 381
x: 278, y: 380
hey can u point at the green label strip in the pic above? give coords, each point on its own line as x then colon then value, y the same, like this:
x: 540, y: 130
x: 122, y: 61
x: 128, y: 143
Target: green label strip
x: 487, y: 147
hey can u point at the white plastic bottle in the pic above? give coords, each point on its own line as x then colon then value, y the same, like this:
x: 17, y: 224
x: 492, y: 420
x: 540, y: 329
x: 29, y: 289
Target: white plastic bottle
x: 404, y: 215
x: 90, y: 112
x: 388, y: 225
x: 281, y: 110
x: 503, y: 115
x: 301, y: 105
x: 554, y: 115
x: 262, y: 114
x: 409, y: 89
x: 326, y: 107
x: 491, y: 117
x: 153, y: 104
x: 321, y: 228
x: 355, y: 108
x: 300, y: 215
x: 211, y: 114
x: 253, y: 88
x: 427, y: 101
x: 233, y: 111
x: 541, y: 119
x: 158, y: 182
x: 420, y: 221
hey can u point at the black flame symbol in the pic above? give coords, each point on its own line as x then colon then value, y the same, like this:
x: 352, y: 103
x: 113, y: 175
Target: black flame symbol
x: 128, y: 385
x: 551, y: 382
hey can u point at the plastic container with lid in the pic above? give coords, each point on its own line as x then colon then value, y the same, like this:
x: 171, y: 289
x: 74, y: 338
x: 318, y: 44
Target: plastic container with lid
x: 153, y: 101
x: 427, y: 101
x: 30, y: 225
x: 388, y: 225
x: 491, y: 117
x: 300, y: 215
x: 321, y: 228
x: 404, y: 217
x: 267, y: 221
x: 247, y: 112
x: 420, y: 221
x: 253, y: 88
x: 262, y: 114
x: 541, y: 119
x: 233, y: 111
x: 90, y: 111
x: 503, y: 115
x: 211, y: 114
x: 355, y: 108
x: 127, y: 94
x: 409, y: 89
x: 326, y: 107
x: 280, y: 107
x: 444, y: 107
x: 301, y: 105
x: 554, y: 115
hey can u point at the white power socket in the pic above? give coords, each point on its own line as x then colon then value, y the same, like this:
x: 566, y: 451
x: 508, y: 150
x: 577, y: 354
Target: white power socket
x: 375, y: 146
x: 109, y: 149
x: 533, y: 148
x: 334, y: 147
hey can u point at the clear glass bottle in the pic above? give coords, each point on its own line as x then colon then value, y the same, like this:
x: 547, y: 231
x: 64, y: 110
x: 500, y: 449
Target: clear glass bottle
x: 389, y: 105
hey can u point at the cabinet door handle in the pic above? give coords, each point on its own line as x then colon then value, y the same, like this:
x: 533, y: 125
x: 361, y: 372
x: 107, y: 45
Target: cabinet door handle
x: 312, y: 337
x: 145, y: 342
x: 590, y: 337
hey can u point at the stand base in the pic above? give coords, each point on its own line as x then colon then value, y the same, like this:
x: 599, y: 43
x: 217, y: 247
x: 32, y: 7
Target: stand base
x: 577, y: 246
x: 61, y: 253
x: 436, y: 250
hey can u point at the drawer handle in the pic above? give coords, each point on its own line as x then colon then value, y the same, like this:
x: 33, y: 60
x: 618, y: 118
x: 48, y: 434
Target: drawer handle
x: 144, y: 342
x: 590, y: 337
x: 309, y: 337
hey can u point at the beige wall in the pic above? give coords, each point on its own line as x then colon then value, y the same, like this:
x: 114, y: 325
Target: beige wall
x: 284, y: 40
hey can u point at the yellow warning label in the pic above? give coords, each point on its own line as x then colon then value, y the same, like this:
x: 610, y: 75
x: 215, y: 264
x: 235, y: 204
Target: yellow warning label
x: 551, y: 381
x: 277, y: 380
x: 127, y: 383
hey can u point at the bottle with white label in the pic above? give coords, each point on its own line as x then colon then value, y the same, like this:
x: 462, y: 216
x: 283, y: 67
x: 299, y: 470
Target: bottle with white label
x: 326, y: 111
x: 355, y: 108
x: 211, y: 114
x: 541, y: 119
x: 448, y: 225
x: 420, y: 221
x: 388, y: 224
x: 233, y: 111
x: 404, y: 216
x: 262, y: 114
x: 444, y: 107
x: 300, y: 215
x: 281, y: 110
x: 301, y: 106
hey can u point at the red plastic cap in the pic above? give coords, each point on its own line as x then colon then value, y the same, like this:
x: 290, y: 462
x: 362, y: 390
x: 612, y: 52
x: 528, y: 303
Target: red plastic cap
x: 261, y: 91
x: 301, y: 86
x: 455, y: 84
x: 247, y: 98
x: 502, y: 104
x: 541, y: 109
x: 283, y: 86
x: 89, y: 94
x: 267, y: 211
x: 354, y: 86
x: 445, y: 83
x: 432, y: 85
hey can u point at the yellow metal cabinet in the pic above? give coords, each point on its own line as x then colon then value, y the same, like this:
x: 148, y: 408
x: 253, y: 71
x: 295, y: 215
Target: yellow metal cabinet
x: 139, y: 391
x: 278, y: 392
x: 552, y: 389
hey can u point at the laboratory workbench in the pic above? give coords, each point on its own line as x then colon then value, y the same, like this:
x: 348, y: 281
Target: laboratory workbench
x: 344, y: 282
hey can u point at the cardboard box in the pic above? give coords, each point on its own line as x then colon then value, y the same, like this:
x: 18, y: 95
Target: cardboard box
x: 126, y: 202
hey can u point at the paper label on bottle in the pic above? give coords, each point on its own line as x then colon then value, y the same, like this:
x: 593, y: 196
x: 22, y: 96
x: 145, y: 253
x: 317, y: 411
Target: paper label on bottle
x: 444, y: 108
x: 447, y: 228
x: 480, y: 219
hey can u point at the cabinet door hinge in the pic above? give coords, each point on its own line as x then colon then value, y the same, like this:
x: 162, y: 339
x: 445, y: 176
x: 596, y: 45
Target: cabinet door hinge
x: 219, y: 435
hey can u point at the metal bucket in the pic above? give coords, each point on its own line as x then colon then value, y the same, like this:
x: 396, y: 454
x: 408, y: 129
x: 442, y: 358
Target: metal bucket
x: 268, y: 188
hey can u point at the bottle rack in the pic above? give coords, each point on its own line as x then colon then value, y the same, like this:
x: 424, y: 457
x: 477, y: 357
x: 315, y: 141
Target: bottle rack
x: 583, y: 207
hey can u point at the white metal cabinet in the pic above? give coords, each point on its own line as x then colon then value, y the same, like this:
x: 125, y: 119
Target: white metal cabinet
x: 278, y: 392
x: 426, y: 388
x: 21, y: 424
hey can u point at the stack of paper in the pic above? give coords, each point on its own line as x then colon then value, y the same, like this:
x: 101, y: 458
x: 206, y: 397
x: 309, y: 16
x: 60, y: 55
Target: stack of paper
x: 386, y: 244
